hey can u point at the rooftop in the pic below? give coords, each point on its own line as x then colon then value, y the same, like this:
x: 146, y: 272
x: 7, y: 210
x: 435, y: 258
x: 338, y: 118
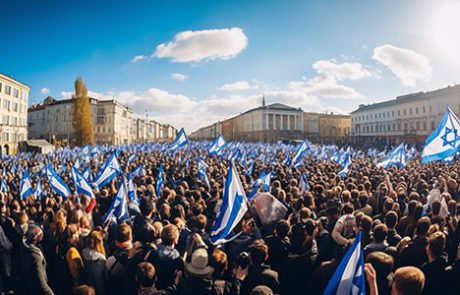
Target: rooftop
x: 408, y: 98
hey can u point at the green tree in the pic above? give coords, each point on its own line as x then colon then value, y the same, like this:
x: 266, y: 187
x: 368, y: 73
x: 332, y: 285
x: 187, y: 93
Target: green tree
x: 83, y: 124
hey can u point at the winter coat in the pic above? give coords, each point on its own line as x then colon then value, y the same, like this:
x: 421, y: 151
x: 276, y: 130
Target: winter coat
x: 94, y: 272
x: 167, y: 261
x: 33, y: 265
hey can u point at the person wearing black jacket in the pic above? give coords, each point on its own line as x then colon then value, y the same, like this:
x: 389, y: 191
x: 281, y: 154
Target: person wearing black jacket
x: 33, y: 262
x: 435, y: 268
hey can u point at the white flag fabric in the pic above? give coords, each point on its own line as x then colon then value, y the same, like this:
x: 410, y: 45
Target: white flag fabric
x: 444, y: 141
x: 234, y: 206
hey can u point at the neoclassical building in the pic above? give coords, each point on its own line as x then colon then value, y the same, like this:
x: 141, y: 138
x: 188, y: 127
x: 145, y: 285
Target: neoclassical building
x: 408, y: 118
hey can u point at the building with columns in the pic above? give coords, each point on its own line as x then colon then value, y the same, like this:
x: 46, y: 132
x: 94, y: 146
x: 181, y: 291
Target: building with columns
x: 408, y: 118
x: 274, y: 122
x: 14, y: 97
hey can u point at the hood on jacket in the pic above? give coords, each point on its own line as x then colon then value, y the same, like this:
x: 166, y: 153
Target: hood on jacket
x: 166, y: 253
x: 92, y: 255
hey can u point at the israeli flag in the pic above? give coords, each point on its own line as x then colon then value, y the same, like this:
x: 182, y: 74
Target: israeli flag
x: 303, y: 183
x: 250, y: 168
x: 300, y: 151
x: 131, y: 158
x: 139, y: 170
x: 159, y: 181
x: 4, y: 187
x: 264, y: 180
x: 349, y: 275
x: 119, y: 207
x: 345, y: 165
x: 234, y: 206
x: 38, y: 190
x: 87, y: 174
x: 131, y: 189
x: 397, y: 157
x: 57, y: 183
x: 82, y: 186
x: 202, y: 171
x: 110, y: 169
x: 444, y: 141
x: 217, y: 146
x: 181, y: 140
x: 26, y: 186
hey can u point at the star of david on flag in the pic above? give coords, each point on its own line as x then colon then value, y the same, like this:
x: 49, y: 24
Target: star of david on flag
x: 444, y: 141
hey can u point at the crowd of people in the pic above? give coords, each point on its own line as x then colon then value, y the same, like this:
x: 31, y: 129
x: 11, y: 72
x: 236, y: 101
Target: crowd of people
x: 408, y: 220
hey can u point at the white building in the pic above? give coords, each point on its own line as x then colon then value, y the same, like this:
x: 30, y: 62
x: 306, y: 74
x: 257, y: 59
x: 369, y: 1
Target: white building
x: 53, y: 121
x: 113, y: 123
x: 408, y: 118
x: 14, y: 98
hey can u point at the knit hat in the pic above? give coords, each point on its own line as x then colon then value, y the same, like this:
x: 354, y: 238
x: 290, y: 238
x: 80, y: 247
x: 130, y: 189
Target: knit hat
x: 199, y: 264
x: 34, y: 233
x: 261, y: 290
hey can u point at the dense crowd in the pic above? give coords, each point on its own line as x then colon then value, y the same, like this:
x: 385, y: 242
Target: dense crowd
x: 408, y: 219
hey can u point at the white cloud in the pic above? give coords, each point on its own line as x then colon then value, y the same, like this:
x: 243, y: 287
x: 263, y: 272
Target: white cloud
x: 343, y: 71
x: 45, y: 91
x: 238, y: 86
x: 138, y: 58
x: 194, y: 46
x: 327, y: 85
x: 405, y: 64
x: 179, y: 77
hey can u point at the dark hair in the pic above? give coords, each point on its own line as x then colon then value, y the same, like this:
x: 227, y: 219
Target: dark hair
x: 436, y: 243
x: 145, y: 274
x: 423, y: 224
x: 123, y: 232
x: 391, y: 219
x: 258, y: 252
x: 282, y: 228
x: 380, y: 233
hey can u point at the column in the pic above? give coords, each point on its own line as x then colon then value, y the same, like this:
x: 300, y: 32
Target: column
x: 281, y: 121
x: 266, y: 122
x: 289, y: 122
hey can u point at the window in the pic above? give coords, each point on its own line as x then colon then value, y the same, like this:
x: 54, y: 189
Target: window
x: 388, y: 114
x: 424, y: 125
x: 6, y: 120
x: 394, y: 126
x: 417, y: 126
x: 405, y: 126
x: 424, y: 109
x: 399, y: 113
x: 416, y: 111
x: 15, y: 92
x: 405, y: 113
x: 6, y: 104
x: 392, y: 113
x: 430, y: 108
x: 399, y: 126
x: 7, y: 89
x: 432, y: 124
x: 15, y: 106
x: 1, y: 87
x: 384, y: 114
x: 410, y: 111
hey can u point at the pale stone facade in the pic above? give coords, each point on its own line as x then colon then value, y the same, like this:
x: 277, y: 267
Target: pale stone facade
x: 408, y: 118
x: 14, y: 97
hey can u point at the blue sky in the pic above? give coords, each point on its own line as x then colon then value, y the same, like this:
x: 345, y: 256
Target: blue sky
x: 217, y: 58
